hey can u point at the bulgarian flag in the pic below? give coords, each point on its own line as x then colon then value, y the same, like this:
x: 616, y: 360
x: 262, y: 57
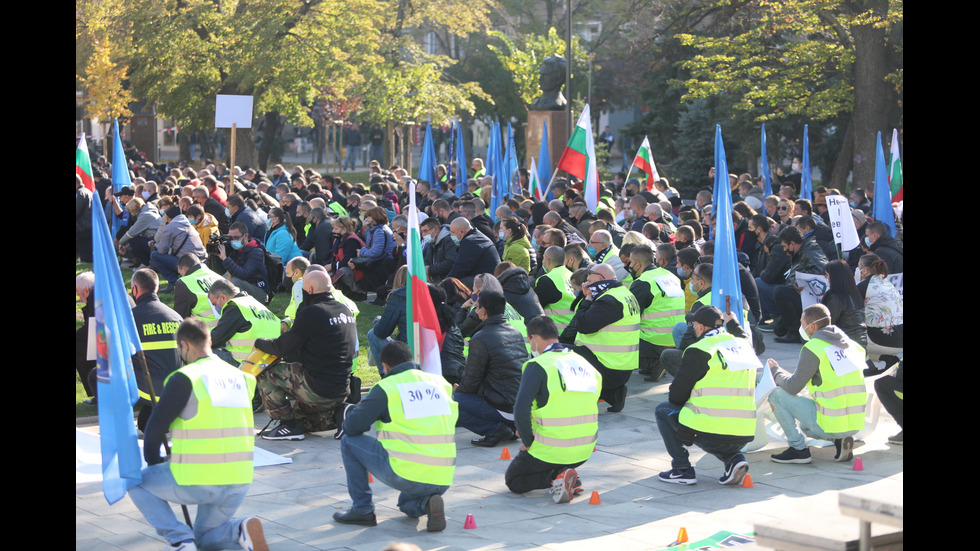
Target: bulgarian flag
x: 579, y: 159
x: 83, y: 165
x: 895, y: 169
x: 534, y: 183
x: 644, y: 162
x: 424, y: 334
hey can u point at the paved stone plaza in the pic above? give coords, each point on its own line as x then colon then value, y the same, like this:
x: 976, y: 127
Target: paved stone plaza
x: 296, y: 502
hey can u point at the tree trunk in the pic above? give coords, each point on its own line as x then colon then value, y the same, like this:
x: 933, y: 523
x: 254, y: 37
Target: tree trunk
x: 872, y: 95
x: 245, y: 153
x: 269, y: 137
x: 184, y: 147
x: 390, y: 144
x: 842, y: 166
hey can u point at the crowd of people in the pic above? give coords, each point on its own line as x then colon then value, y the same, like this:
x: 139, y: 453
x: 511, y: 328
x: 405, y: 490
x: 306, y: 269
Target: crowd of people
x: 546, y: 307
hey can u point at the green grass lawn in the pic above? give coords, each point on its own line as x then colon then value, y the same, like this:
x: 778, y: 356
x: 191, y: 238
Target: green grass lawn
x: 365, y: 320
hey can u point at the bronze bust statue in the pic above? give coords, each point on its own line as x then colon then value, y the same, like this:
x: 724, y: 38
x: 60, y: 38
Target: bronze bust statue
x: 552, y: 77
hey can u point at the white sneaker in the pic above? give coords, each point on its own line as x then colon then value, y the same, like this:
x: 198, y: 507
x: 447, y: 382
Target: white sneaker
x: 563, y: 486
x: 251, y: 536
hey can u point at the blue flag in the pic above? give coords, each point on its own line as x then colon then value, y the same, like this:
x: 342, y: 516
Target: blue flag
x: 544, y: 161
x: 120, y: 177
x: 461, y: 166
x: 511, y: 164
x: 494, y: 168
x: 724, y: 279
x: 882, y: 207
x: 427, y: 165
x: 806, y: 184
x: 116, y: 342
x: 766, y: 178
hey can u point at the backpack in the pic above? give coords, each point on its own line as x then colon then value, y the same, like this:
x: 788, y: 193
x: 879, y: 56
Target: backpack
x: 274, y: 269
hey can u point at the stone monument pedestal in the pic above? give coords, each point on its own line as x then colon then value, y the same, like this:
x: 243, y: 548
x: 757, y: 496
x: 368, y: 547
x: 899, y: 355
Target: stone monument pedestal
x: 557, y: 136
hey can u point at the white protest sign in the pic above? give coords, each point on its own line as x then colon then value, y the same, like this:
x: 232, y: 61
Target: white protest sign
x: 739, y: 356
x: 814, y: 286
x: 578, y: 375
x: 670, y: 285
x: 227, y: 391
x: 842, y: 223
x: 764, y: 387
x: 421, y: 399
x: 232, y: 110
x: 845, y: 360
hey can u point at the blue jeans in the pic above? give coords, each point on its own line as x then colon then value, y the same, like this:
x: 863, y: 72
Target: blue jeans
x: 376, y: 344
x: 766, y: 302
x: 476, y: 414
x: 668, y: 421
x: 363, y: 454
x: 377, y: 152
x: 790, y: 409
x: 352, y: 153
x: 678, y: 332
x: 213, y: 526
x: 166, y: 265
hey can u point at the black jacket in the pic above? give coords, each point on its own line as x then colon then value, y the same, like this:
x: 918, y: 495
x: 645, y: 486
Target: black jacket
x: 846, y: 315
x: 156, y: 323
x: 493, y: 367
x: 476, y: 255
x: 324, y: 334
x: 892, y: 252
x: 519, y: 294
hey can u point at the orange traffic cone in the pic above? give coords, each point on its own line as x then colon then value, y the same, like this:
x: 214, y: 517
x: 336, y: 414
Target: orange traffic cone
x: 470, y: 522
x: 858, y: 464
x: 505, y: 453
x: 370, y: 478
x: 594, y: 500
x: 682, y: 536
x: 747, y: 482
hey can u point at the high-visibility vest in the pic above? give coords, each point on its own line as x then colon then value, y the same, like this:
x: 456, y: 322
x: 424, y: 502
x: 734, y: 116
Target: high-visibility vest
x: 658, y: 320
x: 199, y: 282
x: 723, y: 401
x: 337, y: 208
x: 560, y: 312
x: 264, y: 325
x: 421, y: 449
x: 566, y: 428
x: 617, y: 345
x: 841, y: 401
x: 214, y: 446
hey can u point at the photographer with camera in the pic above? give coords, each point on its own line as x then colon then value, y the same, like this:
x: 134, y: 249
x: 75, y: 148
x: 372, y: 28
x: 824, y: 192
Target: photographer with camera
x: 245, y: 262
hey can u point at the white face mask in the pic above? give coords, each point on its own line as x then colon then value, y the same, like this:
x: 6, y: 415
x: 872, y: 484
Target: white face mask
x: 803, y: 334
x: 146, y: 195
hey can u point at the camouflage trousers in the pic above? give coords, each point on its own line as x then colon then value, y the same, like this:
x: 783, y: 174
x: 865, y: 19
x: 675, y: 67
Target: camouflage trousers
x: 286, y: 395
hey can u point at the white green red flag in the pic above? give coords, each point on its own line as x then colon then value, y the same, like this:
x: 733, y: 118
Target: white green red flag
x: 424, y: 334
x: 83, y: 165
x: 644, y: 162
x: 579, y: 159
x: 895, y: 169
x: 534, y: 182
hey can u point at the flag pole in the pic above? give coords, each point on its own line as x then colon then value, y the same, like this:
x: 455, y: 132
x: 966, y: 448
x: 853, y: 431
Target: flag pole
x: 547, y: 189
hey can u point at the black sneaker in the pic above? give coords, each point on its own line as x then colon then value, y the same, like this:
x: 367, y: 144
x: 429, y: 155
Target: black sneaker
x: 435, y: 510
x: 339, y: 417
x: 678, y: 476
x: 793, y: 455
x: 286, y: 430
x: 845, y: 447
x: 502, y: 434
x: 898, y: 439
x: 735, y: 471
x: 268, y: 428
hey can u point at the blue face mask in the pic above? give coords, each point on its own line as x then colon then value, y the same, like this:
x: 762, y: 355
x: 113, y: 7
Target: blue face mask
x: 502, y: 236
x: 427, y: 238
x: 534, y: 243
x: 681, y: 273
x: 592, y: 252
x: 455, y: 239
x: 867, y: 241
x: 227, y: 212
x: 236, y: 244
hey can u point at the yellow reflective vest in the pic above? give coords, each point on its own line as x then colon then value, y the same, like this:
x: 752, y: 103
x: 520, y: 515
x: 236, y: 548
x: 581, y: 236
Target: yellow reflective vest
x: 566, y: 428
x: 264, y: 325
x: 420, y: 448
x: 840, y: 401
x: 723, y: 401
x: 617, y: 345
x: 213, y: 444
